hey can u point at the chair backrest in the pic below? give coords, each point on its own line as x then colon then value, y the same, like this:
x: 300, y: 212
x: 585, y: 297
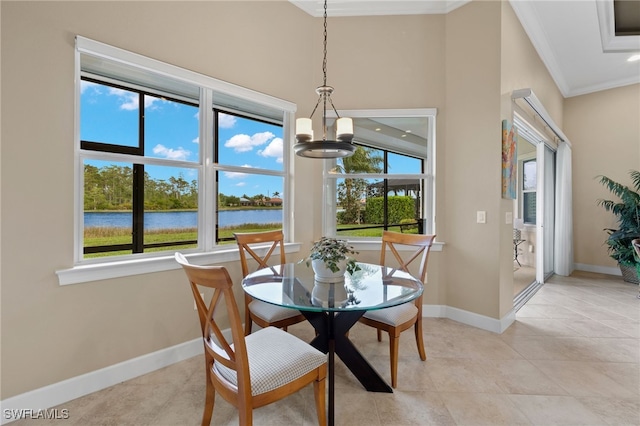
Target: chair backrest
x: 276, y: 238
x: 232, y: 353
x: 422, y: 244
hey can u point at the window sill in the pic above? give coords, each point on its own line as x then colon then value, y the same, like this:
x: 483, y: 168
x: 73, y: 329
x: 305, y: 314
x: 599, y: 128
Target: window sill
x: 364, y: 245
x: 102, y: 271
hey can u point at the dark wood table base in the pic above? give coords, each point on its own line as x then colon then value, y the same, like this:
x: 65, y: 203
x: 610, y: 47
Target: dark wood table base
x: 331, y: 338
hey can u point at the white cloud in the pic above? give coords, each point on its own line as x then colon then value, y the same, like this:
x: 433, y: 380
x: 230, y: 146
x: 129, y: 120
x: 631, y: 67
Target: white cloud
x: 226, y: 121
x: 244, y: 143
x: 196, y: 140
x: 239, y: 143
x: 84, y: 85
x: 173, y: 154
x: 241, y: 184
x: 131, y: 101
x: 274, y: 149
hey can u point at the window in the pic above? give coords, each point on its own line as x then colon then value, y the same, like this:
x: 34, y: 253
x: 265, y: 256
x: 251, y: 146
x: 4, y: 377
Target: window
x: 131, y: 205
x: 249, y: 175
x: 388, y: 182
x: 529, y: 187
x: 172, y: 160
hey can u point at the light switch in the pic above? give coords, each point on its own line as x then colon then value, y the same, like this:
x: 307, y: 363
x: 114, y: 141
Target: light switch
x: 481, y: 216
x: 508, y: 218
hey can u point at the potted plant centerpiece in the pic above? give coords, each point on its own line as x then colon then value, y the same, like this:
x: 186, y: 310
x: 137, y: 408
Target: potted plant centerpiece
x: 627, y: 212
x: 330, y: 258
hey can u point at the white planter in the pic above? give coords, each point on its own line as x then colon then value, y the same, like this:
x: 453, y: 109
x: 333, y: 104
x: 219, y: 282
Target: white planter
x: 329, y: 295
x: 325, y: 275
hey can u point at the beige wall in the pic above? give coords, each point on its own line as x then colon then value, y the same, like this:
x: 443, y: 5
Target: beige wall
x: 88, y: 326
x: 272, y: 47
x: 462, y: 64
x: 471, y: 153
x: 382, y: 63
x: 604, y: 128
x: 488, y: 55
x: 521, y: 67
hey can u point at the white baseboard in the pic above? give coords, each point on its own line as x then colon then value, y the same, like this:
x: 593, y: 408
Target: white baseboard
x: 609, y: 270
x: 67, y: 390
x: 470, y: 318
x: 61, y: 392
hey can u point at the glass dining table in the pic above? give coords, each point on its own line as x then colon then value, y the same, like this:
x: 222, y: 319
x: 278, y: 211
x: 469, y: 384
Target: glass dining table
x: 333, y: 308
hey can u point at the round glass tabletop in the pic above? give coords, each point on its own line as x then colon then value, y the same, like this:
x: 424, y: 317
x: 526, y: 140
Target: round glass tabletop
x: 293, y: 285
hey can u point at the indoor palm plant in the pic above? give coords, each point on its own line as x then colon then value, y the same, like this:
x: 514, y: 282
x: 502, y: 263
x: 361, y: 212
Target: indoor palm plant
x: 330, y: 258
x: 627, y: 212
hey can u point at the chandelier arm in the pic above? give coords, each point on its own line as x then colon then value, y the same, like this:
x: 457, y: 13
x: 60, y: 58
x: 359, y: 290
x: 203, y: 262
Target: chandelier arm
x: 316, y: 107
x: 324, y: 117
x: 334, y: 108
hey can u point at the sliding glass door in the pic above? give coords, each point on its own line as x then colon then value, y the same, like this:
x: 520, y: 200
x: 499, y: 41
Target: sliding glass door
x: 545, y: 210
x: 534, y: 211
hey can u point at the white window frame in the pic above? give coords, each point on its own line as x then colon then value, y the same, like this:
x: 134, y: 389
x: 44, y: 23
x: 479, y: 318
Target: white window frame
x: 85, y: 270
x: 531, y: 156
x: 429, y: 176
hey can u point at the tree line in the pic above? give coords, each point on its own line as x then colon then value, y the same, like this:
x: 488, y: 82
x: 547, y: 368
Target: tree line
x: 111, y: 188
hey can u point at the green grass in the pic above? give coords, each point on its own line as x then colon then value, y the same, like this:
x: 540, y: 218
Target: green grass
x: 370, y: 232
x: 105, y: 236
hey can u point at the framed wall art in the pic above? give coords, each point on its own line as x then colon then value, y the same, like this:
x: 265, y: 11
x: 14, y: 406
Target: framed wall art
x: 509, y: 161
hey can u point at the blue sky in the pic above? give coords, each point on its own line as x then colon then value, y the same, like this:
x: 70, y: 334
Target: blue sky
x: 110, y: 115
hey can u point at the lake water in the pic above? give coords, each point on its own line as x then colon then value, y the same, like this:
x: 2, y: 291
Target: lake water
x: 160, y: 220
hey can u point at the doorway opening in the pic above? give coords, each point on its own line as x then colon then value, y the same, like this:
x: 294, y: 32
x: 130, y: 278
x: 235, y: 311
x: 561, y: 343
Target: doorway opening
x: 524, y: 228
x: 534, y: 207
x: 553, y: 247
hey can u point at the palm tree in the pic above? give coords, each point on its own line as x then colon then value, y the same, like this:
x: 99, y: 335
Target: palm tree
x: 351, y: 191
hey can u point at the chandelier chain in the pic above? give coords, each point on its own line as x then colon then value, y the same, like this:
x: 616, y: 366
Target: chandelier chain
x: 324, y: 67
x: 324, y: 62
x: 342, y: 145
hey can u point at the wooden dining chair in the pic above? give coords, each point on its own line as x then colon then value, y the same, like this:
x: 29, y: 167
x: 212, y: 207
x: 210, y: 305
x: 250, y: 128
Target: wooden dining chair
x: 249, y: 371
x: 263, y: 314
x: 397, y: 319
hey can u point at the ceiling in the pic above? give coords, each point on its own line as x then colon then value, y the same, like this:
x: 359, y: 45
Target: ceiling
x: 576, y: 39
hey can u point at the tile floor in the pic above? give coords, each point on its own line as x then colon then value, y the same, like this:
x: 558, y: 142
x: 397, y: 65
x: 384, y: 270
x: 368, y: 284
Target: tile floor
x: 571, y: 358
x: 522, y: 277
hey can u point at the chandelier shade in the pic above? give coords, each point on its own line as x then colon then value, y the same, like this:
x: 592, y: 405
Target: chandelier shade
x: 306, y: 145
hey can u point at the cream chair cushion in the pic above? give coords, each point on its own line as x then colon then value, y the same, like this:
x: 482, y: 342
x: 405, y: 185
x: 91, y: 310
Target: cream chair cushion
x: 395, y: 315
x: 271, y: 313
x: 275, y: 359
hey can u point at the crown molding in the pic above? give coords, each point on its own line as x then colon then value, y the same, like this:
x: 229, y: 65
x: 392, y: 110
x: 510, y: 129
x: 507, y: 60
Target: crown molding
x: 335, y: 8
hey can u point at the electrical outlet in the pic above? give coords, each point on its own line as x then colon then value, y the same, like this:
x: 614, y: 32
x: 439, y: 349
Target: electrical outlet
x: 508, y: 218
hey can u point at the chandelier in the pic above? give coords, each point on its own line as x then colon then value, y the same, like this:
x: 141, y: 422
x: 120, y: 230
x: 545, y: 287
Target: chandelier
x: 305, y: 145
